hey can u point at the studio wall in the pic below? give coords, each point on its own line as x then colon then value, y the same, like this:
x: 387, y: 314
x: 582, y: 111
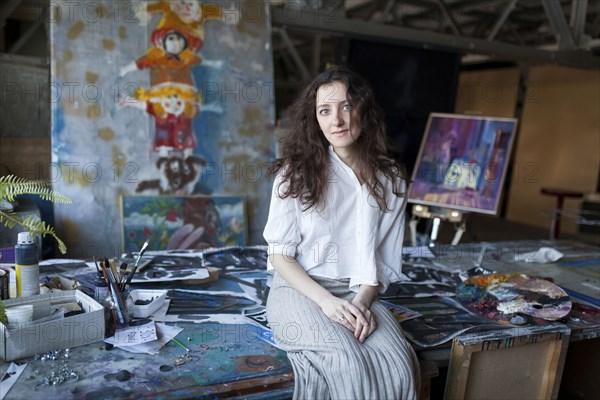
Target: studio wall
x: 558, y: 143
x: 490, y: 92
x: 409, y: 83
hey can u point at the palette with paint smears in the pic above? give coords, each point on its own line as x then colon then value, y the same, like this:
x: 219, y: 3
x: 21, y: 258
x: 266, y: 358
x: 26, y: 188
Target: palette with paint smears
x: 498, y: 295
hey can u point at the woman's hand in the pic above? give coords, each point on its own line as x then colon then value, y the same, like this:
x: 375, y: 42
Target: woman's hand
x: 344, y: 313
x: 363, y: 300
x: 362, y: 332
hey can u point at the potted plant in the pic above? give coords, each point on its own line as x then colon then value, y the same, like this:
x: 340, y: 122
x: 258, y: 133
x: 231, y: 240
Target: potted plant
x: 12, y: 186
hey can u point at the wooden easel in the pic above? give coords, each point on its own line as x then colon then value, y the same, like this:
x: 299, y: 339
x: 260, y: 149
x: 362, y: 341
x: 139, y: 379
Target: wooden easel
x: 436, y: 215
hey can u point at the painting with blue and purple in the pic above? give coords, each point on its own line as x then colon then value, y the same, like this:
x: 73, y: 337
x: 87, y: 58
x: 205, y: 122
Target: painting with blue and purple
x: 462, y: 162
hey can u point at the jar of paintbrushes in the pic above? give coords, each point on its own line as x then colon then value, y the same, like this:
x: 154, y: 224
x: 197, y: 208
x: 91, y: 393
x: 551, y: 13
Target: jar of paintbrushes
x: 117, y: 302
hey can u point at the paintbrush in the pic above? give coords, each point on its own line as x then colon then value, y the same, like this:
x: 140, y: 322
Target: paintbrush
x: 97, y: 267
x: 121, y: 319
x: 137, y: 261
x: 123, y: 278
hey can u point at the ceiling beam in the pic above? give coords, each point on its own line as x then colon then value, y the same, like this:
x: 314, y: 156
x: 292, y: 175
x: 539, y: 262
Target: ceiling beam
x: 389, y: 7
x: 316, y: 56
x: 449, y: 18
x: 577, y: 22
x: 501, y: 19
x: 558, y: 24
x: 305, y: 75
x: 26, y: 36
x: 316, y: 22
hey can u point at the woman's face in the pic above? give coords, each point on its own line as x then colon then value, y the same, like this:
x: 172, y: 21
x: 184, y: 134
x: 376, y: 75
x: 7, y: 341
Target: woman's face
x: 335, y: 116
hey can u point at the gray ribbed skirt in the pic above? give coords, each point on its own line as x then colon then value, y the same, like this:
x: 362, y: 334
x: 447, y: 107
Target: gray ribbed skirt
x: 328, y: 361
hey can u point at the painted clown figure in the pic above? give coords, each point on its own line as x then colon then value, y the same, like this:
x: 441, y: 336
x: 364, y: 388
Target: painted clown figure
x: 172, y: 98
x: 170, y: 62
x: 185, y: 16
x: 173, y: 109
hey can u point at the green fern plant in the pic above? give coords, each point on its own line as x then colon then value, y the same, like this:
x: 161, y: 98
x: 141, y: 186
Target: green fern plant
x: 12, y: 186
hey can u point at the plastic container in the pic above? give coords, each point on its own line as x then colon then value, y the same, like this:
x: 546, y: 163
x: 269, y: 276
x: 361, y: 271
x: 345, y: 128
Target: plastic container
x: 154, y: 299
x: 19, y: 314
x: 27, y: 265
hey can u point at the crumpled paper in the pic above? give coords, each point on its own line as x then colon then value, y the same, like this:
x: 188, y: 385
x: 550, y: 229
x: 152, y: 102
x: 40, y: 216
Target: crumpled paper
x: 543, y: 255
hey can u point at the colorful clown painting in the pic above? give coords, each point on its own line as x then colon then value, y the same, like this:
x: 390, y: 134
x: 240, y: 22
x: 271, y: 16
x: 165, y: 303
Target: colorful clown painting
x: 173, y: 108
x: 160, y: 98
x: 172, y: 99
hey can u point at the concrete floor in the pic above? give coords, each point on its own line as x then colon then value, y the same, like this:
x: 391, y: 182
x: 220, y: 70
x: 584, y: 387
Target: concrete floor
x: 489, y: 228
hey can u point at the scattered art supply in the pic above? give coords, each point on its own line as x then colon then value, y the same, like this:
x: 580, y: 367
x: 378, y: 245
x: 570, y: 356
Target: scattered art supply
x: 146, y: 302
x: 400, y: 313
x: 10, y: 377
x: 422, y: 275
x: 27, y: 267
x: 543, y: 255
x: 441, y: 320
x: 236, y: 259
x: 4, y: 283
x: 497, y: 296
x: 137, y: 262
x: 133, y: 335
x: 165, y: 268
x: 19, y: 314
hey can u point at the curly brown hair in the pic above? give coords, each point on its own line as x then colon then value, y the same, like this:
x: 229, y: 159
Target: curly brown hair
x: 304, y: 162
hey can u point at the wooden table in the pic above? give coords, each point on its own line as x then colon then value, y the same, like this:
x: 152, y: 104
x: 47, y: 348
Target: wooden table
x: 225, y: 360
x: 578, y: 272
x: 229, y: 360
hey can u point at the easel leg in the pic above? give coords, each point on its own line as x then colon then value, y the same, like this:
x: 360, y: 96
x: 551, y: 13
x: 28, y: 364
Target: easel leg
x: 459, y: 232
x: 412, y: 225
x: 434, y: 231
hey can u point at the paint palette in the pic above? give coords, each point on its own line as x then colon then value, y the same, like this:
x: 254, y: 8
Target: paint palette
x: 497, y: 296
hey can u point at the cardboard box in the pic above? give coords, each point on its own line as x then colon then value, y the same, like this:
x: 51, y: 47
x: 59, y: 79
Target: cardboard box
x: 28, y: 339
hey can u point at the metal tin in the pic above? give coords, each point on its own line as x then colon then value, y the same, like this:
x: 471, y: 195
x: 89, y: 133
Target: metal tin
x: 4, y: 283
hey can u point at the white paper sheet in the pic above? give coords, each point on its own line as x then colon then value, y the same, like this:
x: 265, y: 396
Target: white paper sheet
x: 10, y: 377
x: 133, y: 335
x: 164, y: 333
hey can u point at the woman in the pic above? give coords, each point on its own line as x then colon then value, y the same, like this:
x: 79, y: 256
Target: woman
x: 335, y: 231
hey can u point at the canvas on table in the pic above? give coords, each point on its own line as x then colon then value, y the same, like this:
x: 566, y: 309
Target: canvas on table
x: 182, y: 222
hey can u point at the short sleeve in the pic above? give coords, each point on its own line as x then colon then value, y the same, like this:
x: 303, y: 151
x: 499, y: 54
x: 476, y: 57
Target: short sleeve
x: 281, y: 230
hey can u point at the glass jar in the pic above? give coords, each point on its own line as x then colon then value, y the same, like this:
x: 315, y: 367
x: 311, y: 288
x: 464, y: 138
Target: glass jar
x: 112, y: 319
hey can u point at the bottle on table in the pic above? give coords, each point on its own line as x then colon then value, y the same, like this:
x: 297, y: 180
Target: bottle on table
x: 27, y: 258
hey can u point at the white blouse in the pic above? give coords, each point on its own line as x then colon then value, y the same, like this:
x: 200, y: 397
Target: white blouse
x: 350, y: 237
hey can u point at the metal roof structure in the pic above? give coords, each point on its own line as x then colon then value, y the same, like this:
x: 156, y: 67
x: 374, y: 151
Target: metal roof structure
x: 559, y: 32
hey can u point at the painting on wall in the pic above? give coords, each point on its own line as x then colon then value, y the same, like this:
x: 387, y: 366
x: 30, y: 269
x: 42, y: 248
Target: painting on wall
x: 183, y: 222
x: 158, y: 98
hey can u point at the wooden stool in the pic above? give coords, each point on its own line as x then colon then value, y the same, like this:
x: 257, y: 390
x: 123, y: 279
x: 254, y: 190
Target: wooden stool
x: 560, y: 199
